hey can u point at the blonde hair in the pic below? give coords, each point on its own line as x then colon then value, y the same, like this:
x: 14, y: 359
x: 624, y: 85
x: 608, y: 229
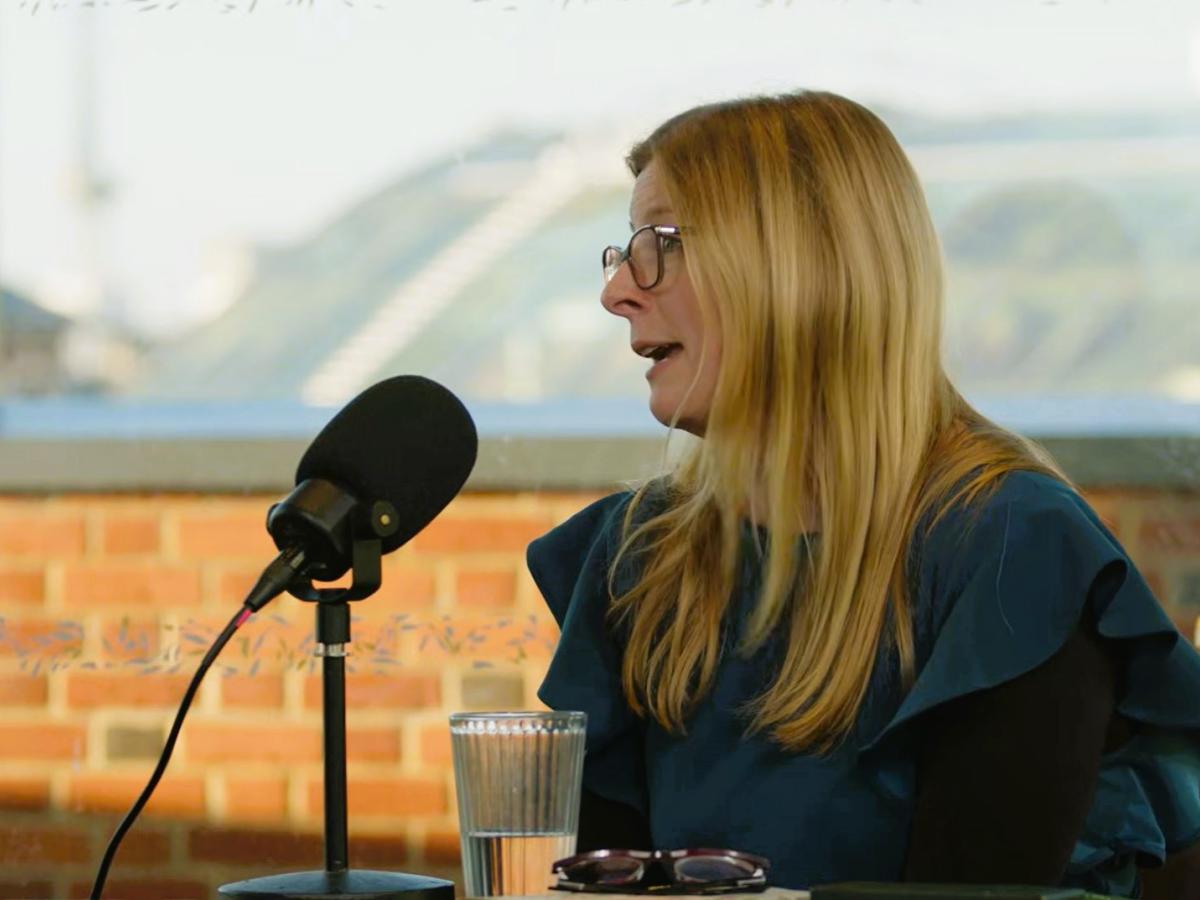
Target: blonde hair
x: 810, y: 246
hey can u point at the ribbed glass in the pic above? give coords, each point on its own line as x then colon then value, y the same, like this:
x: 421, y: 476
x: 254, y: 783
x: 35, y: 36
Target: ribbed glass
x: 518, y: 776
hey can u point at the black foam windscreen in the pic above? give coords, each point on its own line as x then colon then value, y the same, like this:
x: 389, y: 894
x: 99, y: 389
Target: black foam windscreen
x: 407, y: 440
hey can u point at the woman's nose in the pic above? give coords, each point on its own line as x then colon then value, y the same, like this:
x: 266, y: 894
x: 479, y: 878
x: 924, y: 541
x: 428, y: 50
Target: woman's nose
x: 621, y: 295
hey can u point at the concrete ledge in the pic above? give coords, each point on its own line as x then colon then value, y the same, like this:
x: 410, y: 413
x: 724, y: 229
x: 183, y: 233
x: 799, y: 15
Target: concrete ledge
x: 244, y: 465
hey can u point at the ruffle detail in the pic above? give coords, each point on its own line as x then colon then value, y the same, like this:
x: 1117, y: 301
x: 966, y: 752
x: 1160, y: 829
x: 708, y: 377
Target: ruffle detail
x: 1012, y: 589
x: 570, y: 567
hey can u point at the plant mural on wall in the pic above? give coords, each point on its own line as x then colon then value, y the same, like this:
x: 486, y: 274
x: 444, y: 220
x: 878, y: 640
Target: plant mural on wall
x: 273, y: 641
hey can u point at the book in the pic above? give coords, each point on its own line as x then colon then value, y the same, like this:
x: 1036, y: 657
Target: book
x: 868, y: 890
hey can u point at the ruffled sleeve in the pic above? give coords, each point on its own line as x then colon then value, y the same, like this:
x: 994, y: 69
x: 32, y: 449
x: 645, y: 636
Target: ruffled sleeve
x: 570, y: 567
x: 999, y: 591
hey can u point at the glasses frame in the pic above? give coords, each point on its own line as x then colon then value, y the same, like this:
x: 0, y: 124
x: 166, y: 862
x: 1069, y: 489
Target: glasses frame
x: 662, y: 233
x: 666, y: 860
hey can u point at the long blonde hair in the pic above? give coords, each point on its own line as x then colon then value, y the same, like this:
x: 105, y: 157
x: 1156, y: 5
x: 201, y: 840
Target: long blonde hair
x: 810, y: 246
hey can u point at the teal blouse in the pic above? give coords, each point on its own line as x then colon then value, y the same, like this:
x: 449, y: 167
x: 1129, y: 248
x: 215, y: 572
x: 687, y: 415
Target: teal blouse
x: 990, y: 602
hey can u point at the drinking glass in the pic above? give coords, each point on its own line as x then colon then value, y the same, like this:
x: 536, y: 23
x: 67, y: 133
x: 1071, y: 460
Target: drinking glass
x: 518, y: 777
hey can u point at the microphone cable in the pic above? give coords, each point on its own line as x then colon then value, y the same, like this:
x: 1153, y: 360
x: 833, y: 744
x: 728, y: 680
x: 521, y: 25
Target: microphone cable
x: 365, y: 451
x: 218, y: 645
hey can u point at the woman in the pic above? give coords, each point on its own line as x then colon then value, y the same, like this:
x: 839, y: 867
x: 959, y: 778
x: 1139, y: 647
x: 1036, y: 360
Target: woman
x: 859, y: 630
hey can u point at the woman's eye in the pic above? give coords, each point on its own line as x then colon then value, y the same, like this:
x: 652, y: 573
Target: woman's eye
x: 670, y: 245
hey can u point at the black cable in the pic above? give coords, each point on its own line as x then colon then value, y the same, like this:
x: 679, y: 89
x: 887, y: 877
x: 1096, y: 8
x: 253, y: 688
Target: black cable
x: 222, y: 639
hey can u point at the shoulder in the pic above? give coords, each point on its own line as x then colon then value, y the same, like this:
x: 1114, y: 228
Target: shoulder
x: 1027, y: 520
x: 576, y: 554
x: 593, y: 521
x: 1013, y: 573
x: 1020, y: 497
x: 1001, y: 584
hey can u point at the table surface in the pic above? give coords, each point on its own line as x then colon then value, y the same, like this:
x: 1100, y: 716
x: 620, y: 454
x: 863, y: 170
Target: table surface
x: 771, y: 893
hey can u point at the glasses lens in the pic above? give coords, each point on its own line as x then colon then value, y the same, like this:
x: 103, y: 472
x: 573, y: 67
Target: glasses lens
x: 713, y: 868
x: 608, y: 870
x: 643, y: 255
x: 611, y: 259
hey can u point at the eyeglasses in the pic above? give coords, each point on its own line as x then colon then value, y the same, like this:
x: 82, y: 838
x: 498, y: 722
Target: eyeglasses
x: 648, y: 252
x: 702, y: 871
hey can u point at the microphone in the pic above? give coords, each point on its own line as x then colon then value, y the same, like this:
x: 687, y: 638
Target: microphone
x: 378, y: 473
x: 382, y: 468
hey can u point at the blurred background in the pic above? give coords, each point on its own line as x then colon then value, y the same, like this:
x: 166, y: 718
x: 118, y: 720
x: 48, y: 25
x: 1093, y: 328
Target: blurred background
x: 221, y: 219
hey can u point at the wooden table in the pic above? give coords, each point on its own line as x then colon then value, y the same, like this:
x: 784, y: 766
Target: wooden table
x: 771, y: 893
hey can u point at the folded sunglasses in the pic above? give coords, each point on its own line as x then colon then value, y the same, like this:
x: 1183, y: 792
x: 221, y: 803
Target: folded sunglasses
x: 698, y: 871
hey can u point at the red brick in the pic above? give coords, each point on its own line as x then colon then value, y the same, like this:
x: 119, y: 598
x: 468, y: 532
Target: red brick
x: 27, y: 889
x: 144, y: 845
x: 261, y: 798
x: 231, y: 535
x: 282, y: 850
x: 443, y: 846
x: 386, y: 797
x: 377, y: 851
x: 481, y: 535
x: 175, y: 795
x: 373, y: 745
x: 234, y: 584
x: 22, y: 585
x: 213, y: 742
x: 1157, y: 584
x: 435, y: 745
x: 405, y: 587
x: 41, y: 639
x: 22, y: 690
x: 139, y: 584
x: 38, y: 533
x: 1185, y: 620
x: 1107, y: 505
x: 90, y: 690
x: 43, y: 741
x: 27, y: 792
x: 1172, y: 536
x: 130, y: 534
x: 399, y: 691
x: 22, y: 843
x: 486, y: 588
x: 254, y: 691
x: 149, y: 887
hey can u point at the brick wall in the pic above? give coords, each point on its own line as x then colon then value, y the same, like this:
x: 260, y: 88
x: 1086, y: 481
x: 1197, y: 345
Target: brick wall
x: 108, y: 602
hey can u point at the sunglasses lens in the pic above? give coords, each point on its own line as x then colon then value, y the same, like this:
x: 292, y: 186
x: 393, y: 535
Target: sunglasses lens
x: 713, y: 868
x: 609, y: 870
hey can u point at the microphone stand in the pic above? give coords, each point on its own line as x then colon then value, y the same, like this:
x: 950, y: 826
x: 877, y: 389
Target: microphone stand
x: 338, y: 881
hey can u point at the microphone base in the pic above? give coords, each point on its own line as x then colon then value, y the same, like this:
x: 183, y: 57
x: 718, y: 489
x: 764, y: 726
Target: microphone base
x: 350, y: 884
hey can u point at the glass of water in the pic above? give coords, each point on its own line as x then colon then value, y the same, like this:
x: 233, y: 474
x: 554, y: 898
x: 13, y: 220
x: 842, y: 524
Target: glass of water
x: 518, y: 777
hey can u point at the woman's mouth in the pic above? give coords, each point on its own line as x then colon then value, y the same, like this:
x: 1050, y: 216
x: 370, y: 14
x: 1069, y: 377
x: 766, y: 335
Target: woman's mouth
x: 662, y: 356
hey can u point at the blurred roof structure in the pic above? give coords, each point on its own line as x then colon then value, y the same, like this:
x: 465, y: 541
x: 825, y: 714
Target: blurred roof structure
x: 21, y: 315
x: 416, y: 277
x: 1073, y: 249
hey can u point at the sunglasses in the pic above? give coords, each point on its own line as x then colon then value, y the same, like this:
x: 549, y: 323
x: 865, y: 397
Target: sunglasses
x: 701, y: 871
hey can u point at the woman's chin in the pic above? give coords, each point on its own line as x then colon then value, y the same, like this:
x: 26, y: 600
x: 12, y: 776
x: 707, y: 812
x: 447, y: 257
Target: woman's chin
x: 662, y: 408
x: 664, y: 411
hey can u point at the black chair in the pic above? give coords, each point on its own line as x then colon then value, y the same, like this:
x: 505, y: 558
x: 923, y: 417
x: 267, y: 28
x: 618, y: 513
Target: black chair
x: 1178, y: 879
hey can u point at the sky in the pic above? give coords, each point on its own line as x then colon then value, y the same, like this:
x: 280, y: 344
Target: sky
x: 221, y: 124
